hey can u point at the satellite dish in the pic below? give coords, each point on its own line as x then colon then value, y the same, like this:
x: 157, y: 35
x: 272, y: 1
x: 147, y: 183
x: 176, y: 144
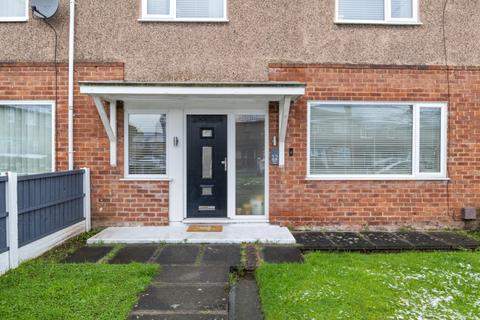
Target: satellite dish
x: 44, y: 8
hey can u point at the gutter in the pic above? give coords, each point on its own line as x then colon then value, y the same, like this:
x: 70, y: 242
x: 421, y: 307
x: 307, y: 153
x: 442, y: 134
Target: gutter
x: 71, y: 57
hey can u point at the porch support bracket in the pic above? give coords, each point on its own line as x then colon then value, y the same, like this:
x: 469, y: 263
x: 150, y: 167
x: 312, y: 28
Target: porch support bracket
x: 110, y: 126
x: 284, y: 111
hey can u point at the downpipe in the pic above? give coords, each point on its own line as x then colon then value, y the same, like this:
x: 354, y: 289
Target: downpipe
x: 71, y: 57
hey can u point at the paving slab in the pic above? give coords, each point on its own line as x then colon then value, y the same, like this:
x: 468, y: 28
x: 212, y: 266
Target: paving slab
x: 456, y: 240
x: 422, y: 241
x: 193, y: 274
x: 184, y: 298
x: 350, y: 241
x: 140, y: 253
x: 221, y: 254
x: 179, y: 317
x: 282, y: 254
x: 314, y: 241
x: 178, y: 254
x: 247, y: 303
x: 88, y: 254
x: 387, y: 241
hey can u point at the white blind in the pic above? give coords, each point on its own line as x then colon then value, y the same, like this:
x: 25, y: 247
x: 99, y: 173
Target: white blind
x: 361, y: 9
x: 13, y: 8
x: 158, y: 7
x: 26, y: 138
x: 147, y: 150
x: 402, y: 8
x: 430, y: 140
x: 361, y: 139
x: 200, y: 8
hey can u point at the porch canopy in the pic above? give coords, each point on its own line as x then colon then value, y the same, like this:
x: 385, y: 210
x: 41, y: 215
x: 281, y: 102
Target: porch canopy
x: 110, y: 92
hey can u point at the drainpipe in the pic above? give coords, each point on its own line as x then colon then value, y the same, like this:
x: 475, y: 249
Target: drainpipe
x: 71, y: 57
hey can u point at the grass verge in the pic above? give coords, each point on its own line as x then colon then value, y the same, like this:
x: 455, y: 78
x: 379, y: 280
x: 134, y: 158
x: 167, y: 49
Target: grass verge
x: 414, y: 285
x: 47, y: 289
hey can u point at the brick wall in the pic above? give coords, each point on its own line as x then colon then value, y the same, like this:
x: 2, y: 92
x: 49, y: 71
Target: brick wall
x: 297, y: 202
x: 114, y: 202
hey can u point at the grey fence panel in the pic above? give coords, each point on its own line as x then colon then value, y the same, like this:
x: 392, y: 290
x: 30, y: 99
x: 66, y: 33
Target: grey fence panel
x: 48, y: 203
x: 3, y: 215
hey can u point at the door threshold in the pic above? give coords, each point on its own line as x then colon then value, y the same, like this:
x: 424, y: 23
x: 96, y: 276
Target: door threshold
x: 221, y: 221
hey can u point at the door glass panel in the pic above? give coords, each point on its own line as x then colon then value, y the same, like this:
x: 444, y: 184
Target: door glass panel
x: 250, y: 164
x: 207, y: 153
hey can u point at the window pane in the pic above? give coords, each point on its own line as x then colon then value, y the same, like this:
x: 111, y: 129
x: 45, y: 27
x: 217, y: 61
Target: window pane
x: 26, y: 138
x: 207, y: 157
x: 430, y: 139
x: 200, y: 8
x: 12, y: 8
x: 158, y: 7
x: 361, y: 9
x: 250, y: 165
x: 402, y: 9
x: 361, y: 139
x: 147, y: 144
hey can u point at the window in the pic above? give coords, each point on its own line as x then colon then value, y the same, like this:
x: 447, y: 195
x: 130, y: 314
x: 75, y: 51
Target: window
x: 184, y: 10
x: 377, y: 11
x: 13, y: 10
x: 146, y: 149
x: 377, y: 140
x: 250, y: 165
x: 26, y: 137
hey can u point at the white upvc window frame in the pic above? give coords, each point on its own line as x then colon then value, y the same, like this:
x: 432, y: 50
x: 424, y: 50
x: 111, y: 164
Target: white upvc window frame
x: 172, y: 16
x: 18, y: 19
x: 388, y: 19
x: 416, y: 174
x: 154, y: 111
x: 54, y: 117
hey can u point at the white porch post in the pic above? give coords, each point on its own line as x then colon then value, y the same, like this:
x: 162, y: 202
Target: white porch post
x: 113, y: 125
x: 283, y: 113
x: 107, y: 124
x: 12, y: 226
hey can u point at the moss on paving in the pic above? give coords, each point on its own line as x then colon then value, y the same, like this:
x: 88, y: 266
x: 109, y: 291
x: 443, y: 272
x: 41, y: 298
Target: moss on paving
x: 47, y: 289
x: 413, y: 285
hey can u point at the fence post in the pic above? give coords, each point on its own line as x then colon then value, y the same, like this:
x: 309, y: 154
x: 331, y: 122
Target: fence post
x: 86, y: 199
x: 12, y: 209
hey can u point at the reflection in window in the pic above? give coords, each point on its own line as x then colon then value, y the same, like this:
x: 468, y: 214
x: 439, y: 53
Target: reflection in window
x: 147, y: 152
x: 250, y: 165
x: 430, y: 139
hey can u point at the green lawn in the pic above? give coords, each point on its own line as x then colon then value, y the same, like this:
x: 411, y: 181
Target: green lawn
x: 47, y: 289
x: 377, y: 286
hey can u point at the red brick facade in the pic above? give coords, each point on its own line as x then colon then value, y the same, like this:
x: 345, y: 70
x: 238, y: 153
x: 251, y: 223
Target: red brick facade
x: 293, y: 200
x: 114, y: 202
x: 298, y: 202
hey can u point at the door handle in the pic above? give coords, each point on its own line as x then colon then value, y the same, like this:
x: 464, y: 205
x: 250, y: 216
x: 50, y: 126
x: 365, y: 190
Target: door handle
x: 225, y: 164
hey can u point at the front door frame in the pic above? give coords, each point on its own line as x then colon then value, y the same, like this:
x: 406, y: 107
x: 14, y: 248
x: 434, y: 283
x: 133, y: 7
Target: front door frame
x: 249, y: 109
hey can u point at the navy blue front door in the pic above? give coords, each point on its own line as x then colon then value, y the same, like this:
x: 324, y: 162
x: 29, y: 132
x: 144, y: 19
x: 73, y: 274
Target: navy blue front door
x: 206, y: 166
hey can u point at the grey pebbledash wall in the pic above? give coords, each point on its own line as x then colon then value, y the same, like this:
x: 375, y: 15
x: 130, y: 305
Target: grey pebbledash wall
x: 48, y: 203
x: 258, y: 32
x: 3, y: 215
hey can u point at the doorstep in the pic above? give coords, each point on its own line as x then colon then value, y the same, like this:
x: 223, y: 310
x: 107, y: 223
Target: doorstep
x: 177, y: 233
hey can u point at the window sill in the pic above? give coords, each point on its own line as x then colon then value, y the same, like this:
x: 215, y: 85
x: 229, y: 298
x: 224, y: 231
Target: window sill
x: 13, y: 19
x: 353, y: 178
x: 183, y: 20
x: 146, y: 179
x: 387, y: 23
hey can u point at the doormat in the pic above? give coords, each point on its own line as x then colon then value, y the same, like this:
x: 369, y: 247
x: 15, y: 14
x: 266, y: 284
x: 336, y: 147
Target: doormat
x: 200, y: 228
